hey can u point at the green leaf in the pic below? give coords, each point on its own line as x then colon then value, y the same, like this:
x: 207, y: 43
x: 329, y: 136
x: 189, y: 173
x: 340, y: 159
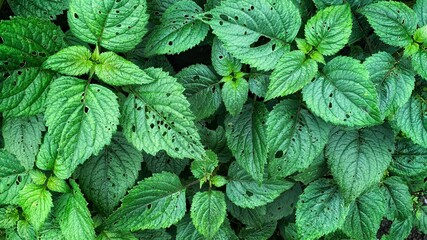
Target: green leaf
x: 201, y: 89
x: 329, y: 30
x: 162, y: 162
x: 156, y: 8
x: 73, y: 215
x: 115, y: 25
x: 320, y: 210
x: 234, y: 94
x: 208, y: 211
x: 358, y: 158
x: 420, y: 9
x: 10, y: 187
x: 245, y: 192
x: 409, y: 160
x: 365, y: 215
x: 25, y: 230
x: 179, y: 30
x: 393, y: 22
x: 105, y: 178
x: 292, y: 73
x: 223, y: 62
x: 317, y: 169
x: 251, y: 217
x: 397, y: 197
x: 23, y: 137
x: 258, y: 233
x: 36, y: 203
x: 418, y: 62
x: 47, y: 154
x: 394, y: 81
x: 218, y: 181
x: 284, y: 205
x: 204, y: 167
x: 421, y: 219
x: 74, y: 60
x: 258, y: 83
x: 81, y: 118
x: 295, y: 138
x: 108, y: 235
x: 37, y: 177
x: 156, y: 202
x: 47, y: 9
x: 400, y: 228
x: 9, y: 216
x: 256, y: 32
x: 410, y: 119
x: 246, y: 138
x: 57, y: 185
x: 157, y: 117
x: 343, y: 94
x: 186, y: 230
x: 9, y: 165
x: 117, y: 71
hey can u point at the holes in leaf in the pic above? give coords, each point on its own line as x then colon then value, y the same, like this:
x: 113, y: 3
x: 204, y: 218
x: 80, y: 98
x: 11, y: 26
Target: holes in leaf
x: 86, y: 109
x: 133, y: 128
x: 22, y: 64
x: 252, y: 7
x: 249, y: 194
x: 220, y: 57
x: 99, y: 12
x: 279, y: 154
x: 117, y: 11
x: 273, y: 47
x: 207, y: 17
x: 117, y: 1
x: 261, y: 41
x: 1, y: 40
x: 330, y: 105
x: 223, y: 17
x: 236, y: 17
x: 76, y: 16
x: 221, y: 23
x: 170, y: 43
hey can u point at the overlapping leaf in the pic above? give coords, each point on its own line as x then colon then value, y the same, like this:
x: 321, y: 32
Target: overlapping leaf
x: 48, y: 9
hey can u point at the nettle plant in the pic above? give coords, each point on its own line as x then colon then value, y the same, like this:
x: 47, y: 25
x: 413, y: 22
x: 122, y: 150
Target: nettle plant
x: 307, y: 121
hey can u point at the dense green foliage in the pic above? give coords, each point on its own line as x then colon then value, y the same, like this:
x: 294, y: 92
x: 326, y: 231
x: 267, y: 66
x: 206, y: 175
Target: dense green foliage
x: 216, y: 119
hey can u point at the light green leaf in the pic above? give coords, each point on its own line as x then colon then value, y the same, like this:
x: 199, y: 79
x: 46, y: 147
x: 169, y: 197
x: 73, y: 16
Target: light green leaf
x: 256, y: 32
x: 81, y: 118
x: 50, y: 230
x: 397, y: 197
x: 258, y: 233
x: 420, y: 9
x: 358, y: 158
x: 394, y: 22
x: 9, y: 165
x: 394, y: 81
x: 108, y: 235
x: 245, y: 192
x: 22, y: 137
x: 295, y: 138
x: 418, y: 62
x: 410, y: 119
x: 9, y: 216
x: 25, y: 230
x: 204, y: 167
x: 208, y: 211
x: 73, y: 215
x: 157, y: 117
x: 421, y: 219
x: 162, y: 162
x: 37, y: 177
x: 234, y: 94
x: 201, y: 89
x: 105, y: 178
x: 329, y: 30
x: 187, y: 231
x: 57, y: 185
x: 117, y: 71
x: 223, y: 62
x: 343, y: 94
x: 47, y: 154
x: 291, y: 74
x: 156, y: 202
x: 247, y: 139
x: 218, y: 181
x: 409, y: 160
x: 36, y: 203
x: 320, y: 210
x: 179, y: 30
x: 400, y: 228
x: 48, y: 9
x: 10, y: 187
x: 116, y: 25
x: 365, y: 215
x: 74, y: 60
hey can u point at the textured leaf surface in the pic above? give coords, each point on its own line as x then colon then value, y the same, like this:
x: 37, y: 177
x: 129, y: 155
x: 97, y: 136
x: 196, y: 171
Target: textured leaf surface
x: 73, y: 215
x: 393, y: 22
x: 409, y: 159
x: 81, y: 118
x: 41, y: 8
x: 358, y: 158
x: 8, y: 217
x: 74, y: 60
x: 162, y: 162
x: 420, y: 9
x: 204, y: 167
x: 179, y: 30
x: 320, y: 210
x: 398, y: 198
x: 291, y: 74
x: 243, y: 25
x: 117, y: 71
x: 201, y: 89
x: 115, y: 25
x: 259, y: 233
x: 223, y: 62
x: 329, y: 30
x: 186, y: 230
x: 9, y: 165
x: 208, y: 211
x: 157, y: 117
x: 10, y: 187
x: 400, y: 229
x: 105, y: 178
x: 410, y: 119
x: 235, y: 94
x: 156, y: 202
x: 295, y: 138
x: 394, y: 81
x: 418, y: 62
x: 246, y: 138
x: 344, y: 94
x: 36, y: 203
x: 365, y: 215
x: 245, y: 192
